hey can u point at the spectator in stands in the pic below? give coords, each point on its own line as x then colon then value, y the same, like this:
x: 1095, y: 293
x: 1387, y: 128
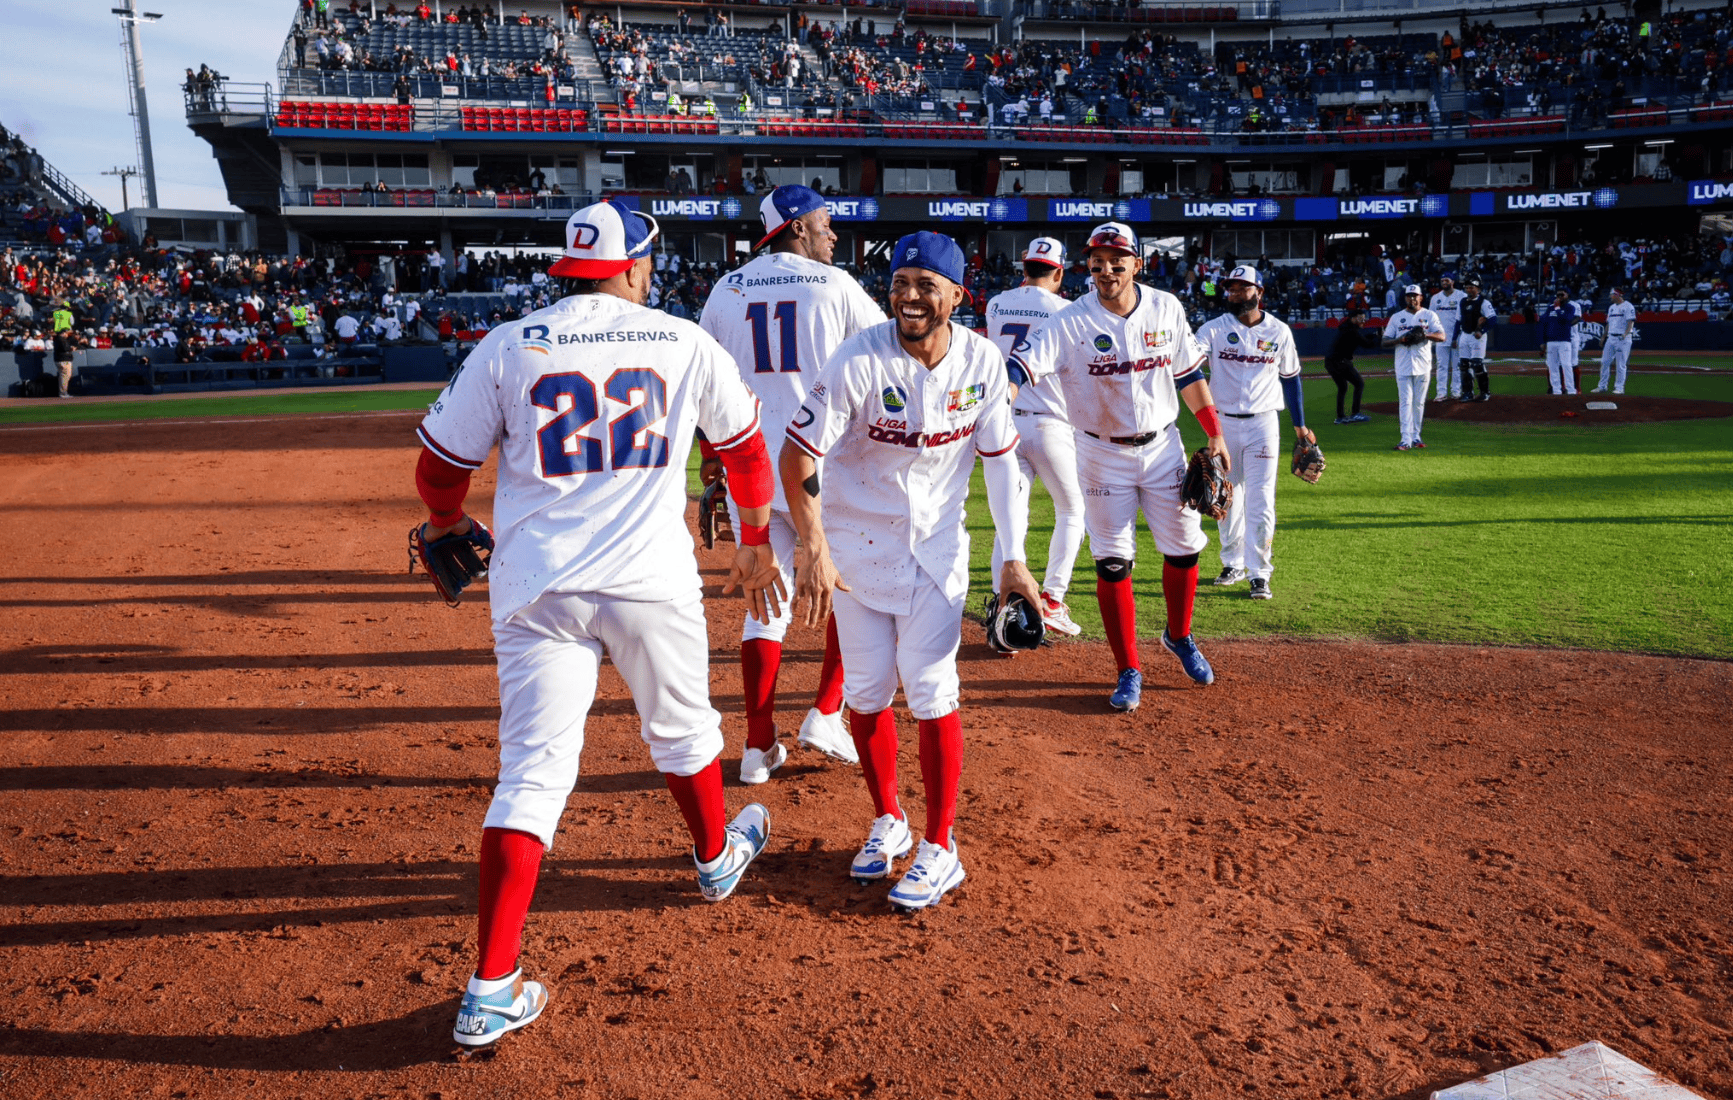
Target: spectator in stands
x: 65, y: 345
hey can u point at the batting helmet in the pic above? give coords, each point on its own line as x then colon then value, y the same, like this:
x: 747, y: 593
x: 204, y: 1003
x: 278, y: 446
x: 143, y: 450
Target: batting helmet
x: 1013, y: 625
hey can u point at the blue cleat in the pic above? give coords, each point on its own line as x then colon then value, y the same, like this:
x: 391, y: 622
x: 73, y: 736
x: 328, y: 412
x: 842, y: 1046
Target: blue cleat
x: 484, y: 1017
x: 1191, y: 657
x: 744, y: 838
x: 1129, y: 692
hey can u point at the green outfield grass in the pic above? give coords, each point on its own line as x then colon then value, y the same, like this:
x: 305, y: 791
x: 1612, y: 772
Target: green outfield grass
x: 359, y: 399
x: 1615, y: 538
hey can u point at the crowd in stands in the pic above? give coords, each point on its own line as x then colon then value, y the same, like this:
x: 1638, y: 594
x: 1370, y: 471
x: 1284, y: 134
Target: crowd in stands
x: 353, y: 41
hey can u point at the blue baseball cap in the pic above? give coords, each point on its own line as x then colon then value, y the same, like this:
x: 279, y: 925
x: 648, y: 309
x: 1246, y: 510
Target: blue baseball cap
x: 930, y: 251
x: 785, y: 204
x: 603, y: 240
x: 1245, y: 273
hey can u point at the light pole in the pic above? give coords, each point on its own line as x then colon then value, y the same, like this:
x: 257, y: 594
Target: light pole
x: 123, y: 173
x: 130, y: 18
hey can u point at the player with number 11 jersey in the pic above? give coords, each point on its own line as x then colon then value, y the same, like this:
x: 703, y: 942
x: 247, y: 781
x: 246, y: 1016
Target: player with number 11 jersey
x: 780, y: 316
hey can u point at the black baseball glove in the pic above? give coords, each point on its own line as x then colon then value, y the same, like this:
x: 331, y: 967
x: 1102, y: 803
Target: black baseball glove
x: 453, y: 562
x: 1207, y: 490
x: 1308, y: 464
x: 713, y: 521
x: 1415, y: 335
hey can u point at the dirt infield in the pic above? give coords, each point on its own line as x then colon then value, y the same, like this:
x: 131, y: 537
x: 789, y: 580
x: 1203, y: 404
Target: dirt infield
x: 247, y: 757
x: 1542, y: 408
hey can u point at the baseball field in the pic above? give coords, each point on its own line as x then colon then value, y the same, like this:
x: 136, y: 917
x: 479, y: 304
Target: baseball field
x: 1457, y: 799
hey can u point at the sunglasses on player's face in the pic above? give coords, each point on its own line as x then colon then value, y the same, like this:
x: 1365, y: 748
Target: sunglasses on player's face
x: 1108, y: 238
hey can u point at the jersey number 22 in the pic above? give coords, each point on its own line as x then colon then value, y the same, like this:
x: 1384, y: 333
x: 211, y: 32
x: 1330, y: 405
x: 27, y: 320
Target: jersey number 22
x: 623, y: 431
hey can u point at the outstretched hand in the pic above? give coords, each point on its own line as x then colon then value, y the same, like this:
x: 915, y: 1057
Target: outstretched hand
x: 755, y: 572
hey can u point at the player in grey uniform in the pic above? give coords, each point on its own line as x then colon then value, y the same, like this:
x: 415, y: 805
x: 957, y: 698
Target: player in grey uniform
x: 1616, y: 346
x: 1446, y: 304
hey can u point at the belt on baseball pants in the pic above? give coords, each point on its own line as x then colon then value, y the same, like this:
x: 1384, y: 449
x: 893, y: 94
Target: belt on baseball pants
x: 1132, y: 440
x: 1239, y: 416
x: 1028, y: 412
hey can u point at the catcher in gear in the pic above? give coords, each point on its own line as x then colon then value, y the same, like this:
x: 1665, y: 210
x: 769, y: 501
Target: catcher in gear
x: 454, y: 560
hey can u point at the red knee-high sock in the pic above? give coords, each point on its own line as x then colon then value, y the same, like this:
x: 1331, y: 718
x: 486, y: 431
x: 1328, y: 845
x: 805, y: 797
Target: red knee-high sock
x: 829, y: 699
x: 760, y: 660
x: 510, y: 861
x: 1119, y: 619
x: 1180, y: 588
x: 699, y: 797
x: 941, y: 774
x: 875, y: 738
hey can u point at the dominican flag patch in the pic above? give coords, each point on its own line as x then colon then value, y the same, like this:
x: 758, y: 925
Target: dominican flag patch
x: 966, y: 398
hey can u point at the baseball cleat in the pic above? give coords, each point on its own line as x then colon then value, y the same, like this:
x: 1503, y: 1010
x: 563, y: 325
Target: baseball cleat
x: 744, y: 838
x: 1599, y: 389
x: 1190, y: 657
x: 1261, y: 589
x: 1229, y: 575
x: 1057, y: 616
x: 1403, y: 447
x: 490, y: 1009
x: 1343, y: 420
x: 888, y: 842
x: 1420, y: 444
x: 935, y: 872
x: 1129, y: 693
x: 825, y: 733
x: 757, y: 764
x: 1359, y: 418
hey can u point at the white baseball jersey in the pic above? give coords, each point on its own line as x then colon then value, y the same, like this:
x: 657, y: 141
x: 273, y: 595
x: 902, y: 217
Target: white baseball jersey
x: 1247, y: 365
x: 593, y: 401
x: 1621, y: 319
x: 1117, y: 372
x: 1448, y: 308
x: 780, y: 317
x: 1579, y: 334
x: 901, y: 441
x: 1013, y: 318
x: 1412, y: 358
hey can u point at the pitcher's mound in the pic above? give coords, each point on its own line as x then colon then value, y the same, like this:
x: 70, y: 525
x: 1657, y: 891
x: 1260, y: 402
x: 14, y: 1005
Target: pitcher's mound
x: 1541, y: 408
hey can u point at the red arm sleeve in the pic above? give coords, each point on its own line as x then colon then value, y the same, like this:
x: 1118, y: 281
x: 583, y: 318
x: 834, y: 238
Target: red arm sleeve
x: 751, y: 482
x: 442, y: 487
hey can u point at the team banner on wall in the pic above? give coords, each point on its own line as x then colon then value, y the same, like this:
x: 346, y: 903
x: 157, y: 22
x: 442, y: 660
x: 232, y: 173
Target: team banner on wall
x: 1705, y: 192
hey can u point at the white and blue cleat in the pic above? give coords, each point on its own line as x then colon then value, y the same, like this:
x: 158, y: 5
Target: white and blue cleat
x: 888, y: 841
x: 935, y: 872
x: 492, y: 1008
x: 743, y: 840
x: 1129, y: 693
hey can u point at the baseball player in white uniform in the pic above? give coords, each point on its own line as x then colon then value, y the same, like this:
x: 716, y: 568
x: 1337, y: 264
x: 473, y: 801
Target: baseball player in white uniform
x: 1616, y: 345
x: 1046, y: 445
x: 899, y: 413
x: 780, y: 316
x: 592, y: 400
x: 1446, y: 306
x: 1254, y: 370
x: 1558, y: 327
x: 1579, y: 336
x: 1474, y: 323
x: 1412, y: 330
x: 1124, y: 356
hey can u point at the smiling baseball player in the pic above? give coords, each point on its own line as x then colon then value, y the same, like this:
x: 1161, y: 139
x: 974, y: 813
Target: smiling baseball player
x: 1412, y: 330
x: 898, y: 414
x: 1446, y: 305
x: 590, y: 400
x: 1253, y: 371
x: 1125, y: 356
x: 1046, y: 445
x: 780, y: 316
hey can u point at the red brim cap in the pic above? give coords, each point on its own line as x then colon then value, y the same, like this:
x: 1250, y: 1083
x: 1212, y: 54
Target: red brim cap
x: 1043, y: 263
x: 771, y: 236
x: 567, y: 268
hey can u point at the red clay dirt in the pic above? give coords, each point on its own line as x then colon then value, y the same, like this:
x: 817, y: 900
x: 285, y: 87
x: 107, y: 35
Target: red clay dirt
x: 1544, y: 408
x: 247, y: 759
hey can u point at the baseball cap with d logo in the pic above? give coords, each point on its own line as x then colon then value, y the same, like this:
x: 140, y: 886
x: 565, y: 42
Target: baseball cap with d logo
x: 1116, y: 237
x: 783, y: 205
x: 1245, y: 273
x: 1045, y: 250
x: 604, y: 240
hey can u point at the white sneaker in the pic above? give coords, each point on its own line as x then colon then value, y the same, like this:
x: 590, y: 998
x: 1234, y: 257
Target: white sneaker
x: 757, y: 764
x: 1599, y: 389
x: 825, y: 733
x: 888, y: 842
x: 1057, y: 616
x: 935, y: 872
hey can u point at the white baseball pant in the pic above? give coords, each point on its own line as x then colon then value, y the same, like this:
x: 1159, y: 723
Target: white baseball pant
x: 1470, y: 346
x: 548, y: 655
x: 1117, y: 480
x: 1561, y: 375
x: 783, y: 538
x: 920, y: 647
x: 1254, y: 449
x: 1615, y: 357
x: 1444, y: 358
x: 1411, y: 404
x: 1047, y: 449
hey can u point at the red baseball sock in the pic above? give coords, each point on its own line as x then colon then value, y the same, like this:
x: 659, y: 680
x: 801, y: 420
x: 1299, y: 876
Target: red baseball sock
x: 829, y: 699
x: 941, y: 773
x: 699, y: 797
x: 1119, y: 620
x: 1180, y: 588
x: 510, y: 861
x: 875, y: 738
x: 760, y: 660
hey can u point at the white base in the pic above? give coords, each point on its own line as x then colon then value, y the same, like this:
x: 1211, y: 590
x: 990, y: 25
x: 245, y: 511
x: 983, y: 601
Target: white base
x: 1604, y: 405
x: 1589, y: 1072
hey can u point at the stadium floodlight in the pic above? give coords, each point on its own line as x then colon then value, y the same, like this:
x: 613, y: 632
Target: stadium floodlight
x: 133, y: 53
x: 1608, y: 145
x: 1662, y: 141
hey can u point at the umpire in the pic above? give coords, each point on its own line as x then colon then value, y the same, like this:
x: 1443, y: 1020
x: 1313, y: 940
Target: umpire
x: 1350, y: 337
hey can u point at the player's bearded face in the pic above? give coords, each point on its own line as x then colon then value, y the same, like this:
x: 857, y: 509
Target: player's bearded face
x: 1113, y: 272
x: 1243, y: 298
x: 921, y: 301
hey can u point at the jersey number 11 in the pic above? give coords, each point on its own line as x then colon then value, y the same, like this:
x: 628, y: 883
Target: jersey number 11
x: 757, y: 314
